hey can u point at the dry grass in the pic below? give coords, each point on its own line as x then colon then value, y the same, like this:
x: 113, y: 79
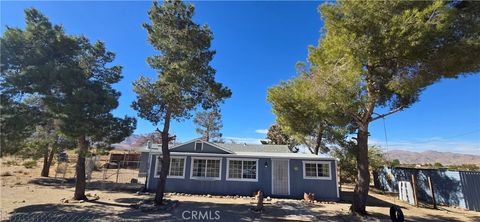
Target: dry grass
x: 29, y: 164
x: 27, y: 193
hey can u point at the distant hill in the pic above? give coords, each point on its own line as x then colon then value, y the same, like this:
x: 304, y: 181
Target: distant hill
x: 136, y: 142
x: 131, y: 139
x: 430, y: 156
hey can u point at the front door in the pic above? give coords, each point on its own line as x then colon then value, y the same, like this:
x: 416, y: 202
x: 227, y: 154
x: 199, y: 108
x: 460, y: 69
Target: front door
x: 280, y: 177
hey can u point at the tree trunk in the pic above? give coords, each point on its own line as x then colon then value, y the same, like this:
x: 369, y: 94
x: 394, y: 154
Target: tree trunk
x: 363, y: 176
x: 47, y: 162
x: 319, y: 139
x: 80, y: 169
x: 165, y: 161
x: 45, y: 168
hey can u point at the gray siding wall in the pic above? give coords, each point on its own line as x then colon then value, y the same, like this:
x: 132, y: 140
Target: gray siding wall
x: 323, y: 189
x: 143, y: 164
x: 190, y: 148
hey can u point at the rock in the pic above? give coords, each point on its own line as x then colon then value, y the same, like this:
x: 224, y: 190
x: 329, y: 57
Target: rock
x: 209, y: 196
x: 269, y: 199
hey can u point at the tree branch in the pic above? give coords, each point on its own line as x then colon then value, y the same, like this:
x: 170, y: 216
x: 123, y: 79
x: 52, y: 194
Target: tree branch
x: 386, y: 114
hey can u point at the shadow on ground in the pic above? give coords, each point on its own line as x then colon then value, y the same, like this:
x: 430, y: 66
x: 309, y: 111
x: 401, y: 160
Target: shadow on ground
x: 347, y: 197
x: 107, y: 186
x: 120, y: 209
x: 186, y: 210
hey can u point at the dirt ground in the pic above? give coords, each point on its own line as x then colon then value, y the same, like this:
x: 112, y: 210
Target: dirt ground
x: 27, y: 197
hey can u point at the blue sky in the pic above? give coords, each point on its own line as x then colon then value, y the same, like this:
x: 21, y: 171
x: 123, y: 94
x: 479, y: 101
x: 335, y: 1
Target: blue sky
x: 258, y: 44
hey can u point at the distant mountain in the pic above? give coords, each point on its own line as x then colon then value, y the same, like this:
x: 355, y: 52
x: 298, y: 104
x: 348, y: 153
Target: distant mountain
x: 135, y: 141
x: 430, y: 156
x: 131, y: 139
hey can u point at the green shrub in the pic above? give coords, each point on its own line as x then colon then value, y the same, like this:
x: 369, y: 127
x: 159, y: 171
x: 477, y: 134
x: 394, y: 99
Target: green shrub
x: 30, y: 164
x: 10, y: 163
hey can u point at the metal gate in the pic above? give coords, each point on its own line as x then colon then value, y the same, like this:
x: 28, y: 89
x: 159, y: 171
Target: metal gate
x: 471, y: 189
x: 280, y: 177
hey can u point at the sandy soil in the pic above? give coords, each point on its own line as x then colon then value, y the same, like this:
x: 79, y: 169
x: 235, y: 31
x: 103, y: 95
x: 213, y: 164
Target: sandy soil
x: 27, y: 197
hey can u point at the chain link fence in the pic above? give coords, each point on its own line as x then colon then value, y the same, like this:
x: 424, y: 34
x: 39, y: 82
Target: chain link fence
x: 102, y: 170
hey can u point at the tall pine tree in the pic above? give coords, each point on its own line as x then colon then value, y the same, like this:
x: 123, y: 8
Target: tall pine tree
x: 184, y: 77
x: 375, y: 59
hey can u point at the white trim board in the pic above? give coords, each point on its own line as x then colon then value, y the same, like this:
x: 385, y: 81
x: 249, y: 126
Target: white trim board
x: 149, y: 169
x: 195, y: 145
x: 337, y: 178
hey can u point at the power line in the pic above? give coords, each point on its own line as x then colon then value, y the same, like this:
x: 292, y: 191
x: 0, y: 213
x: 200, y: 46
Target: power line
x: 385, y: 132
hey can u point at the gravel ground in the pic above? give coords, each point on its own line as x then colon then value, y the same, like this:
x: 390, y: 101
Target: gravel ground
x: 27, y: 197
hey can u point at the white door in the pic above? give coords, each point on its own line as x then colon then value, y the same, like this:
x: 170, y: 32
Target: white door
x: 280, y: 177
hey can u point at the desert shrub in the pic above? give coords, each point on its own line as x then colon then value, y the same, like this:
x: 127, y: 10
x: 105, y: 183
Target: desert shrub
x: 10, y: 163
x: 30, y: 164
x: 6, y: 174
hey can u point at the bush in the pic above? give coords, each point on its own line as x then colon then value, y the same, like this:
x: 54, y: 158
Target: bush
x: 11, y: 163
x: 30, y: 164
x: 6, y: 174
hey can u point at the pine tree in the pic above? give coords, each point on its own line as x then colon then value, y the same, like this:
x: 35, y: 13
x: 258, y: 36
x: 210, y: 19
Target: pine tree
x: 185, y: 78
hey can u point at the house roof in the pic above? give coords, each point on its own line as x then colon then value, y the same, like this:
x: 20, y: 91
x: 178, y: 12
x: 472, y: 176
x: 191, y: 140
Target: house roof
x: 255, y: 148
x: 250, y: 151
x: 303, y: 156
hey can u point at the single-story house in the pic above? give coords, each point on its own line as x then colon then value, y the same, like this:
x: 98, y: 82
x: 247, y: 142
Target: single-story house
x: 201, y: 167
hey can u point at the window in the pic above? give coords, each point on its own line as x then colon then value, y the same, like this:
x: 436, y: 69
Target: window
x: 177, y: 167
x: 206, y: 168
x: 242, y: 169
x: 316, y: 170
x: 198, y: 146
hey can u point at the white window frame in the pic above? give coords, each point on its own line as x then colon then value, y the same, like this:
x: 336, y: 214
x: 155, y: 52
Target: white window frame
x: 157, y: 164
x: 205, y: 178
x: 317, y: 177
x: 195, y: 147
x: 242, y: 179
